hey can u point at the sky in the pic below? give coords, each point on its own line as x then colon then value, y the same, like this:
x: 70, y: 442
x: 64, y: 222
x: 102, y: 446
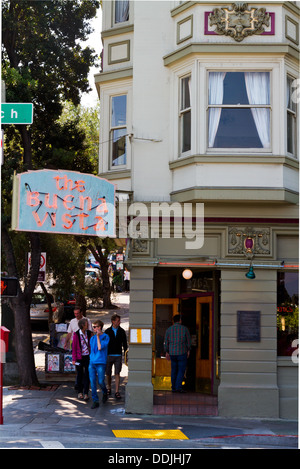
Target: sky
x: 94, y: 41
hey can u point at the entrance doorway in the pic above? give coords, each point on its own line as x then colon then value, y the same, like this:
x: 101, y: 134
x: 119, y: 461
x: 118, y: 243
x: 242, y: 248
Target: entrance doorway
x: 196, y: 311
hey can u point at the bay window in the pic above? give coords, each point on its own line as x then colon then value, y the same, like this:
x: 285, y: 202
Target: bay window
x: 118, y: 130
x: 239, y: 110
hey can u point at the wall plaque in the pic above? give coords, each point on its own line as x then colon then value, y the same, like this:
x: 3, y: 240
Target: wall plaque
x: 248, y: 326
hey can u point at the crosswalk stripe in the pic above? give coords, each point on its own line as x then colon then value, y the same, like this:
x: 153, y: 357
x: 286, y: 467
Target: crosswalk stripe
x: 51, y: 444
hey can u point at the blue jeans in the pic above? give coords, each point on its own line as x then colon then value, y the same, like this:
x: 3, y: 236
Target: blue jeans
x: 178, y: 366
x: 96, y: 370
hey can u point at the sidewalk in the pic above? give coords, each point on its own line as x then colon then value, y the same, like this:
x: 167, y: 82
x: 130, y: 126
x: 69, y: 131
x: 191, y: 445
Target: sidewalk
x: 54, y: 414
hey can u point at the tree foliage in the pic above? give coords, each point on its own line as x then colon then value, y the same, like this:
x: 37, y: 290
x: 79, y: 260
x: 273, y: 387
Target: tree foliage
x: 44, y: 63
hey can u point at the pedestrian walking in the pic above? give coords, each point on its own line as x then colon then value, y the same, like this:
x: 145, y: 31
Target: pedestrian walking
x: 117, y: 342
x: 81, y: 357
x: 177, y: 347
x: 98, y: 358
x: 73, y: 326
x: 126, y: 280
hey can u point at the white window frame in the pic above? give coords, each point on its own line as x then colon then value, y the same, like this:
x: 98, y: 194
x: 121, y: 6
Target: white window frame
x: 119, y: 23
x: 113, y: 128
x: 183, y: 111
x: 292, y: 111
x: 107, y: 91
x: 211, y: 106
x: 276, y: 117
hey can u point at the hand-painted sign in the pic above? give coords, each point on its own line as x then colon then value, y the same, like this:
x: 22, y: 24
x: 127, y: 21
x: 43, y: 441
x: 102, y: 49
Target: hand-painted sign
x: 63, y: 202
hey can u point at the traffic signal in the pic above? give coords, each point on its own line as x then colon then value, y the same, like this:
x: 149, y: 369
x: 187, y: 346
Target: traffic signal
x: 9, y: 286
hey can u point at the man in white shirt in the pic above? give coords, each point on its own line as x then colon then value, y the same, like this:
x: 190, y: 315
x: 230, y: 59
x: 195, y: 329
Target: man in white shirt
x: 73, y: 326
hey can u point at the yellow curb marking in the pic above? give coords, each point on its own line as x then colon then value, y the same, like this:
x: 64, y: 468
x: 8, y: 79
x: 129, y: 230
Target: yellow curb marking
x: 151, y: 434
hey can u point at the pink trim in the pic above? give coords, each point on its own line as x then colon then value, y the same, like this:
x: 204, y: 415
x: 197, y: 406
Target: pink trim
x: 207, y: 32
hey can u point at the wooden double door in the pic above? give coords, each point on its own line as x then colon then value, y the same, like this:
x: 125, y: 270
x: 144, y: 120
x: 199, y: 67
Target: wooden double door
x: 197, y: 315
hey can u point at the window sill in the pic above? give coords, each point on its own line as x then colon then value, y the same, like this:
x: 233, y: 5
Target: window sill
x: 238, y: 158
x: 117, y: 29
x: 116, y: 174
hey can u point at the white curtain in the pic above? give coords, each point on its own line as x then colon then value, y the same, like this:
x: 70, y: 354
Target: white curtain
x: 258, y: 91
x: 121, y: 11
x: 215, y: 96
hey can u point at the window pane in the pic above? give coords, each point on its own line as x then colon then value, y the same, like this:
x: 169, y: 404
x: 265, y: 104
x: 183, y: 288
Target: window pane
x: 236, y: 128
x: 291, y: 104
x: 290, y: 132
x: 239, y: 88
x: 186, y: 131
x: 121, y: 11
x: 185, y: 93
x: 118, y: 147
x: 164, y: 315
x: 235, y: 89
x: 118, y: 115
x: 287, y: 312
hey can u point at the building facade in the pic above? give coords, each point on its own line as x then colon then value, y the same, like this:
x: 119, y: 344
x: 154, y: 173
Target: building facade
x: 199, y: 118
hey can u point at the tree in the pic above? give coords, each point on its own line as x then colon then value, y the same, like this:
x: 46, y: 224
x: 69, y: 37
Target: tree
x: 42, y: 63
x: 100, y: 248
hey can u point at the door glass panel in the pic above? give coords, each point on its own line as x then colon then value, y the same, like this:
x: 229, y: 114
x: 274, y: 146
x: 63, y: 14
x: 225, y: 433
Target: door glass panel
x: 204, y: 332
x: 164, y: 315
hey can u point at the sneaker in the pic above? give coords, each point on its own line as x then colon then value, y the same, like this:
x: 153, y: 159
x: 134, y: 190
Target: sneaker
x: 86, y: 397
x: 104, y: 398
x: 95, y: 405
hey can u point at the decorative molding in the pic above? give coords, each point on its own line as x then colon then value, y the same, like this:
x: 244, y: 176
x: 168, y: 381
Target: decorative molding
x: 240, y: 194
x: 292, y: 30
x: 184, y: 29
x: 118, y: 52
x: 117, y: 30
x: 140, y: 246
x: 239, y: 21
x: 287, y: 161
x: 288, y: 50
x: 116, y: 174
x: 111, y: 75
x: 270, y: 31
x: 249, y: 241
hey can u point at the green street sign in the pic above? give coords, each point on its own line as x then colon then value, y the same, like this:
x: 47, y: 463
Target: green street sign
x: 16, y: 113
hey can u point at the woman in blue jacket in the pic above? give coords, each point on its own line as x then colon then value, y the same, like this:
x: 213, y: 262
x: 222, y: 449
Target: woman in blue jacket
x: 98, y: 358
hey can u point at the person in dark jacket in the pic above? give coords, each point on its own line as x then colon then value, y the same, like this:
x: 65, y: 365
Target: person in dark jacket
x: 117, y: 341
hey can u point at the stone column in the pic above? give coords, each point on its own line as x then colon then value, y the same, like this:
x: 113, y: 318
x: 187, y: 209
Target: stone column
x: 248, y: 380
x: 139, y: 389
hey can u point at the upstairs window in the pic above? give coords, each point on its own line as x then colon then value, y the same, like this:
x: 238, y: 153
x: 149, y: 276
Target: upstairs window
x: 239, y: 111
x: 291, y: 118
x: 185, y: 114
x: 118, y: 130
x: 121, y: 11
